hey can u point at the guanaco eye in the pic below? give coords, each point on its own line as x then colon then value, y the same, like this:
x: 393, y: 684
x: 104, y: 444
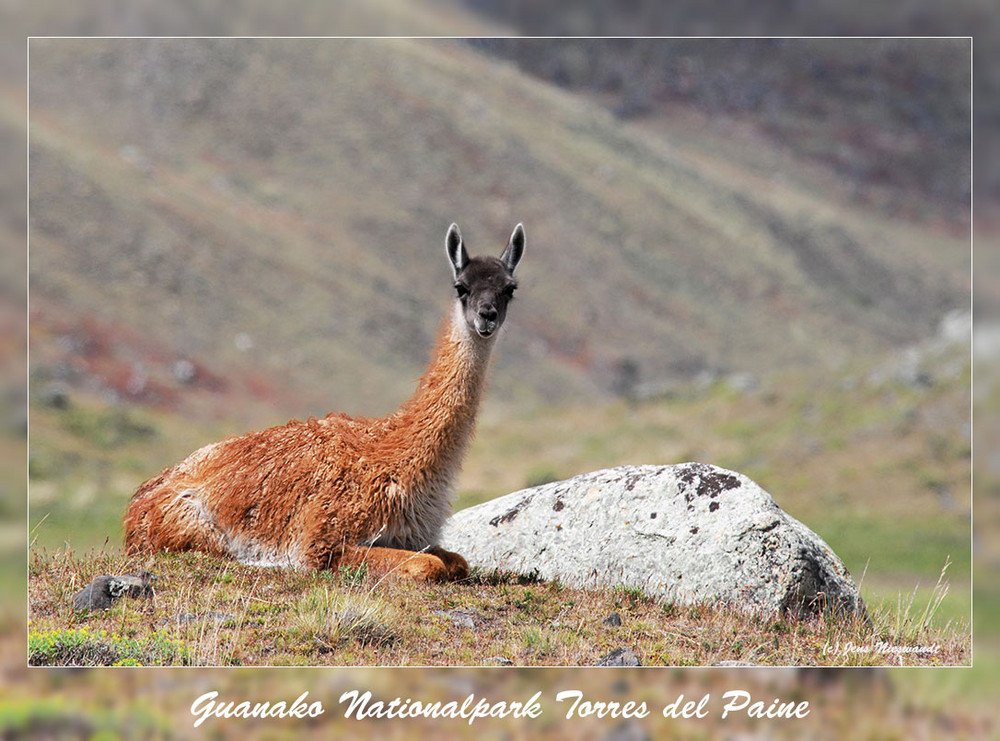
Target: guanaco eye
x: 461, y: 290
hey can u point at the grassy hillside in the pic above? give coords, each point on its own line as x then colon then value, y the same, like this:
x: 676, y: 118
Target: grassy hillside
x: 295, y: 194
x: 891, y: 116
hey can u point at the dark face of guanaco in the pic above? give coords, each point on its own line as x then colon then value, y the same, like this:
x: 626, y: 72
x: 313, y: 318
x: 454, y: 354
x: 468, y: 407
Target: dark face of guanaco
x: 484, y: 285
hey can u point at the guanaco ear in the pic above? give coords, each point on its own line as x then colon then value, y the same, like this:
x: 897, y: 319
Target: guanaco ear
x: 455, y: 248
x: 515, y: 249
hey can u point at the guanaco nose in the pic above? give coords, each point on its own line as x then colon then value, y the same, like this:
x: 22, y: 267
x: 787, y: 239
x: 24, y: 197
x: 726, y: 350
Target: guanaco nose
x: 488, y: 312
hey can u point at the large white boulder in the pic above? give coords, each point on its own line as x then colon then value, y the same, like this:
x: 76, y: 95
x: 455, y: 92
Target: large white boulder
x: 689, y: 533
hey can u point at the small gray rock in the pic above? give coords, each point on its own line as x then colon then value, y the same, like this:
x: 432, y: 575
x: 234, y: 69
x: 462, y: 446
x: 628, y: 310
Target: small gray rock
x: 101, y: 593
x: 619, y: 657
x: 132, y: 585
x: 614, y: 620
x: 94, y: 596
x: 461, y: 618
x: 55, y: 395
x: 501, y: 660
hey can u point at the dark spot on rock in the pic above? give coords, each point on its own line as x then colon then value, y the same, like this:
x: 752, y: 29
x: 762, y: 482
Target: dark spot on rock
x: 713, y: 506
x: 692, y: 471
x: 511, y: 513
x: 631, y: 480
x: 660, y: 537
x: 718, y: 483
x: 694, y: 531
x: 707, y: 481
x: 652, y: 515
x: 558, y: 506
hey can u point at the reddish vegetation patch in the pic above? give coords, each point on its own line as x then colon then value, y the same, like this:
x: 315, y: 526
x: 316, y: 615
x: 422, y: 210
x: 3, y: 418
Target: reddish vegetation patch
x: 96, y: 356
x: 86, y: 352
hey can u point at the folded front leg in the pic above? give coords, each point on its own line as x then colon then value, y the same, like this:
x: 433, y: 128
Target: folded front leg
x: 458, y: 567
x: 396, y: 562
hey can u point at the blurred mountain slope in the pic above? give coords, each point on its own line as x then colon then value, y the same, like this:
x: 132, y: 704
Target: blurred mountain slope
x: 279, y: 205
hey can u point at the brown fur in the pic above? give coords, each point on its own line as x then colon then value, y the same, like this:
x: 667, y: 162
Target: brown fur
x: 330, y: 491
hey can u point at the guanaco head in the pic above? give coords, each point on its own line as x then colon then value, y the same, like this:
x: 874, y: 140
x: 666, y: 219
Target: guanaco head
x: 484, y: 285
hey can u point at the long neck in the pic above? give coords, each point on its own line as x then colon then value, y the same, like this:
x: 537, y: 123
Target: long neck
x: 433, y: 428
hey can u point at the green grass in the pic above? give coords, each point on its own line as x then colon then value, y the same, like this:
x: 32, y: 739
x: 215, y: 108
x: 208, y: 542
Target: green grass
x: 48, y: 718
x: 85, y: 647
x: 898, y: 554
